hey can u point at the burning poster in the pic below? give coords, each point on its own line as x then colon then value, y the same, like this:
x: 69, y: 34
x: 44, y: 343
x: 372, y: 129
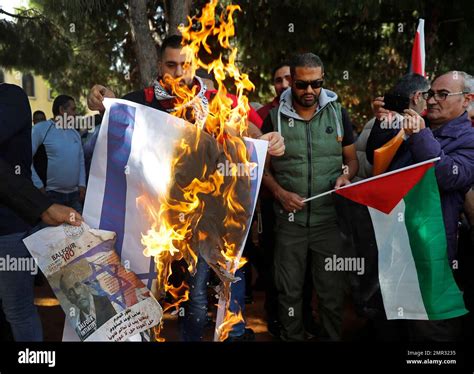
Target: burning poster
x: 102, y: 300
x: 179, y: 185
x: 133, y: 171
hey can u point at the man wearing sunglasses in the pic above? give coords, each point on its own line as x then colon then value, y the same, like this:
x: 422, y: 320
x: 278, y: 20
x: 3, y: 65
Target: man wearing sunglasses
x: 319, y: 156
x: 281, y: 81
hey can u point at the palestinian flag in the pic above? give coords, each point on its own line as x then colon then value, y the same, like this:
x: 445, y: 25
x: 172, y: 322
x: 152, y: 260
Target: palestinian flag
x: 406, y: 232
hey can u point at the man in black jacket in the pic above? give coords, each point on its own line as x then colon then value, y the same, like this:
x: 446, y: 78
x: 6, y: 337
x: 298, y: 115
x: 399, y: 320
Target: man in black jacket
x: 20, y: 195
x: 17, y: 213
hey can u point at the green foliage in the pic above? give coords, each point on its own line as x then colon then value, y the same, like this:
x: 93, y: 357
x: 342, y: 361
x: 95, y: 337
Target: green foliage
x: 365, y: 46
x: 19, y: 46
x: 75, y: 44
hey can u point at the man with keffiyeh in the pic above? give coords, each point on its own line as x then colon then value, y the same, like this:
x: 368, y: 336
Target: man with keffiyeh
x: 172, y: 63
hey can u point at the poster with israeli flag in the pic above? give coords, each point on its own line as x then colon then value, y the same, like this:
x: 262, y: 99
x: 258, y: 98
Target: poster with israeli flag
x: 133, y: 157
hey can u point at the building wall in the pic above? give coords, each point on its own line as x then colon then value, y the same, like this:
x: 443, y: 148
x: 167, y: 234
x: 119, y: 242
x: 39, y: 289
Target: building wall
x: 41, y: 99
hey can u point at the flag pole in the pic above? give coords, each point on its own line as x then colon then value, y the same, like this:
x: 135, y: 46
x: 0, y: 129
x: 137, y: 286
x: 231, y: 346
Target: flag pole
x: 374, y: 178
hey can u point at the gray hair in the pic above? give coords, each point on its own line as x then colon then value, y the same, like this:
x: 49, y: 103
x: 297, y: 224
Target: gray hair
x: 468, y: 83
x: 409, y: 84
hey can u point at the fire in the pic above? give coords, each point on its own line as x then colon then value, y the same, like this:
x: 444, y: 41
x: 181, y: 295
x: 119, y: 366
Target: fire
x: 230, y: 319
x: 174, y: 233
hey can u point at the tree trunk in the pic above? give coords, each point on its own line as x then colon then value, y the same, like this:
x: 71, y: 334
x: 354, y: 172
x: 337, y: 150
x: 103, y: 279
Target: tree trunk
x: 178, y: 12
x: 144, y: 45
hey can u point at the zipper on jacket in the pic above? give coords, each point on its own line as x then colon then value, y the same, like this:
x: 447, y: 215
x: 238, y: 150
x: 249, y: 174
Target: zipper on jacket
x: 310, y: 169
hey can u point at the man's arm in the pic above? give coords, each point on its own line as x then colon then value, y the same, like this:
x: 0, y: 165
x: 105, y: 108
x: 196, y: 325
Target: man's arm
x: 290, y: 201
x: 276, y: 143
x: 14, y: 117
x: 255, y: 118
x: 454, y: 171
x: 350, y: 167
x: 37, y: 135
x: 253, y: 131
x: 19, y: 194
x: 349, y: 153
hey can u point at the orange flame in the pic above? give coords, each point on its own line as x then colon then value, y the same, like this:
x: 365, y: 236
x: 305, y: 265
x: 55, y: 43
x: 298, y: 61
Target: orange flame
x: 230, y: 319
x: 175, y: 219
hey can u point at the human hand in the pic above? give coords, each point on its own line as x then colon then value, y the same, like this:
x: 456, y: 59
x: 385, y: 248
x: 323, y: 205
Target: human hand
x: 57, y: 214
x: 96, y: 97
x: 276, y: 143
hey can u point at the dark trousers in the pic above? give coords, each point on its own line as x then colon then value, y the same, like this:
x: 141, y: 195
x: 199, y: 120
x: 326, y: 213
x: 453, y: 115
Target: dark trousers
x: 267, y: 242
x: 293, y: 244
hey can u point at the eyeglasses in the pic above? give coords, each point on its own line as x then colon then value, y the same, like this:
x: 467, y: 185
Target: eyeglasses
x: 440, y: 96
x: 303, y: 85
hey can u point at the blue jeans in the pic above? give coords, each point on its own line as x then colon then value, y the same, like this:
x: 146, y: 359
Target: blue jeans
x: 70, y: 199
x: 17, y: 292
x: 237, y: 302
x: 195, y: 318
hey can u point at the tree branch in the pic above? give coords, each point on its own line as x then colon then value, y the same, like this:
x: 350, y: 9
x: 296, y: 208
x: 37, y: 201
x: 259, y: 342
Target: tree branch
x: 145, y: 48
x: 18, y: 15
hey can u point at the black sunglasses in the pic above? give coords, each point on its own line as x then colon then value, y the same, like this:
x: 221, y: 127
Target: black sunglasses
x: 303, y: 85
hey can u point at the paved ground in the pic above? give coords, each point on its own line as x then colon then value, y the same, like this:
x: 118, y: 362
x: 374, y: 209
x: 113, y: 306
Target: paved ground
x: 52, y: 318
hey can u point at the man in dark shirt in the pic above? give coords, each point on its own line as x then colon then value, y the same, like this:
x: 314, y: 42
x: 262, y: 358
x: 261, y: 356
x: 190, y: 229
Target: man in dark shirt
x: 172, y: 63
x: 16, y: 284
x: 20, y: 195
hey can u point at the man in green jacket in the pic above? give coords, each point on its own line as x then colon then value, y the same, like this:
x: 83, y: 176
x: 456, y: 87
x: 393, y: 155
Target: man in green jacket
x: 320, y: 155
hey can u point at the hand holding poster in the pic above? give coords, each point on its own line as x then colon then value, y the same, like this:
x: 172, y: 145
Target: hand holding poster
x: 102, y: 300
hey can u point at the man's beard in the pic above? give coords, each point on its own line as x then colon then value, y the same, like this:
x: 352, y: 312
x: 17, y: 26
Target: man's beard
x: 302, y: 102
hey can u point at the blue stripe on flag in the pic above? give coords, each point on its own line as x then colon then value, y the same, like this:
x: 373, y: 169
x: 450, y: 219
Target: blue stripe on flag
x: 119, y: 144
x: 252, y: 151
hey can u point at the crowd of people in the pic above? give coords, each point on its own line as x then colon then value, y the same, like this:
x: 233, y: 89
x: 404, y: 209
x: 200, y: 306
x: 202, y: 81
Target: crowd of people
x: 312, y: 149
